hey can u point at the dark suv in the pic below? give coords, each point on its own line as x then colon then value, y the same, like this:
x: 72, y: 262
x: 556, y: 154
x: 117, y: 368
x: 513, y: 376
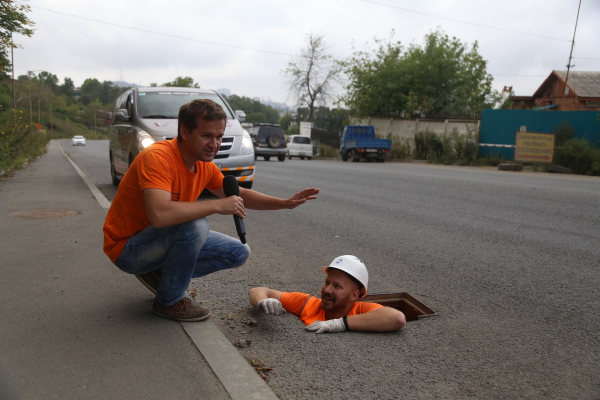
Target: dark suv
x: 268, y: 141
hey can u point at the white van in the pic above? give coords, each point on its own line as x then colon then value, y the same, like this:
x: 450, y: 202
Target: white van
x: 299, y: 146
x: 145, y: 115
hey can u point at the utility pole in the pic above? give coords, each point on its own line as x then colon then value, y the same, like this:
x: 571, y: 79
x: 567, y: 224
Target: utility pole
x: 12, y: 64
x: 562, y: 103
x: 30, y: 109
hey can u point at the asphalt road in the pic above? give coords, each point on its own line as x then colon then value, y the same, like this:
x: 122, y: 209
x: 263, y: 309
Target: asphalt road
x: 510, y: 261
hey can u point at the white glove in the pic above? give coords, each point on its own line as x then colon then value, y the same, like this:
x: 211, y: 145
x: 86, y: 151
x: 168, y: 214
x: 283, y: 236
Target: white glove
x: 271, y: 307
x: 332, y: 325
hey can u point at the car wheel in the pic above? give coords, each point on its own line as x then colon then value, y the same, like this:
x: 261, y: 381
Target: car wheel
x: 310, y: 158
x: 113, y: 174
x: 274, y: 141
x: 281, y: 157
x: 267, y: 158
x: 255, y: 156
x: 381, y: 160
x: 344, y: 156
x: 289, y: 157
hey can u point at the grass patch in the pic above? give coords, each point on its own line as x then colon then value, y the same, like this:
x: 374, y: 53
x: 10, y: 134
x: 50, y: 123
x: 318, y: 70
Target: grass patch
x: 326, y: 151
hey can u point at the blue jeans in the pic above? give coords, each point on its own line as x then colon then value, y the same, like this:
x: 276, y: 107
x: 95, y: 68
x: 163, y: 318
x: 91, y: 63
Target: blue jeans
x: 179, y: 253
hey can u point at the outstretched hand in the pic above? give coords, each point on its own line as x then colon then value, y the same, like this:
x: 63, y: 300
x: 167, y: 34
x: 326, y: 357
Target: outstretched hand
x: 302, y: 197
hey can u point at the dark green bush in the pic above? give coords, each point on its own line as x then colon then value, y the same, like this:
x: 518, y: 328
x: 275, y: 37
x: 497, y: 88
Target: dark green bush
x: 579, y: 156
x: 18, y: 141
x: 401, y: 148
x: 563, y: 132
x: 455, y: 148
x: 326, y: 151
x: 428, y: 146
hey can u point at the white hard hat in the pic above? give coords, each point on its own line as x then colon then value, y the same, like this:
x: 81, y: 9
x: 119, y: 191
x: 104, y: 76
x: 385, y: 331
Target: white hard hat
x: 353, y: 267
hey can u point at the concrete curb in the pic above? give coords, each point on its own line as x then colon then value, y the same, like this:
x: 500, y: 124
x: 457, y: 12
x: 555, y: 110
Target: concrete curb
x: 235, y: 374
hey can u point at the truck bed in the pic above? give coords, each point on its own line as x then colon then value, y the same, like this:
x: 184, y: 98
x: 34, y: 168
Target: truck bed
x: 369, y: 144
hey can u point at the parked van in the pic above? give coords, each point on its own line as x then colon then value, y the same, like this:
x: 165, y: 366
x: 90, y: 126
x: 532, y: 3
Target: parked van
x: 299, y: 146
x: 145, y: 115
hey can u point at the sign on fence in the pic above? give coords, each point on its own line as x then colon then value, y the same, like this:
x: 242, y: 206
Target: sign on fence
x: 534, y: 147
x: 305, y: 128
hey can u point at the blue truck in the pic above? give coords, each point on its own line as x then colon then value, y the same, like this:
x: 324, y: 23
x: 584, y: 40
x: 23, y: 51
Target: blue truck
x: 359, y: 141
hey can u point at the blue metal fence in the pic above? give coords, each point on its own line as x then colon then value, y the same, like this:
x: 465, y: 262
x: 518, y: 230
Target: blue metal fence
x: 499, y: 127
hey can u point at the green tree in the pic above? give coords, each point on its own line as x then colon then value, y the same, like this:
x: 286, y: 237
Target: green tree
x: 285, y: 121
x: 257, y: 117
x: 182, y: 82
x: 12, y: 20
x: 376, y: 84
x: 68, y: 87
x: 442, y: 77
x: 312, y: 74
x: 91, y: 90
x: 254, y: 109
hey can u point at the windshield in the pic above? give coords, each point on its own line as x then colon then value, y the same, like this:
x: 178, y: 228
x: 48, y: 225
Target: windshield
x: 166, y: 104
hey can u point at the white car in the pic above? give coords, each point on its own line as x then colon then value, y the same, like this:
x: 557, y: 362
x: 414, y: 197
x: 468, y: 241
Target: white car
x: 78, y: 141
x: 299, y: 146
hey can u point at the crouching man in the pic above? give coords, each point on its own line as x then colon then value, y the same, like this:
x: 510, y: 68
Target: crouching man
x: 338, y: 309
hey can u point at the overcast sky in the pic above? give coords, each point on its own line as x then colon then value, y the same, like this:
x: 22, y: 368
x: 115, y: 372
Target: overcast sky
x: 244, y: 45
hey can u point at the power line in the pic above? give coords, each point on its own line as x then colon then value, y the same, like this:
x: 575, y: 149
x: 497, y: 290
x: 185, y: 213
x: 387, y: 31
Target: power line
x: 523, y: 76
x: 164, y: 34
x: 584, y: 58
x: 464, y: 22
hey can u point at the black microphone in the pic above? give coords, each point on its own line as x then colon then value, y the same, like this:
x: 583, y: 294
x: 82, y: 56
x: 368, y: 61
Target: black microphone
x: 231, y: 188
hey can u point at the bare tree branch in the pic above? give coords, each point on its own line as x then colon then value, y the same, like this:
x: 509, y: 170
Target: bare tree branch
x: 312, y: 74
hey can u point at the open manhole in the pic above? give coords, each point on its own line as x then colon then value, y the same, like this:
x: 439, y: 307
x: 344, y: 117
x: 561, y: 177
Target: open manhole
x: 412, y: 308
x: 42, y: 214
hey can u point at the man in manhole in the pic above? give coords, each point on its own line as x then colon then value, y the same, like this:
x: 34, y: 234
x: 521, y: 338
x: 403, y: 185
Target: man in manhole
x: 338, y: 309
x: 157, y: 230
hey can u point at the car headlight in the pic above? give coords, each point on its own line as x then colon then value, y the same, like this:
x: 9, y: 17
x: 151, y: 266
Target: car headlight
x: 144, y: 139
x: 246, y: 147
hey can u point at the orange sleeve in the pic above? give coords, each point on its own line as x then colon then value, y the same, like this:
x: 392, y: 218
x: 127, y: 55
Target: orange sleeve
x: 361, y: 308
x: 155, y: 171
x: 294, y: 302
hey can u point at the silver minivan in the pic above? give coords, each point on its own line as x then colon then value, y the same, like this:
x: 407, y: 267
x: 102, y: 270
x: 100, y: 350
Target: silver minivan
x: 145, y: 115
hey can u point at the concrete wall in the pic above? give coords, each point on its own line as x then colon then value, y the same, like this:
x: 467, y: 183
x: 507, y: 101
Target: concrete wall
x: 406, y: 128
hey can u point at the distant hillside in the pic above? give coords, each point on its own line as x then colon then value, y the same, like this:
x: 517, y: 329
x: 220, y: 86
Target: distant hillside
x: 124, y: 84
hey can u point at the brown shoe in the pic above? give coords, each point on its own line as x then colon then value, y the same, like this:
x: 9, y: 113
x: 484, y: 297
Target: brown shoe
x: 150, y: 280
x: 184, y: 311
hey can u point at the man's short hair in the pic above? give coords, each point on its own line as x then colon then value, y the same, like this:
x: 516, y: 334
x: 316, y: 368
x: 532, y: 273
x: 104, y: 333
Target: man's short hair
x: 360, y: 285
x: 206, y: 109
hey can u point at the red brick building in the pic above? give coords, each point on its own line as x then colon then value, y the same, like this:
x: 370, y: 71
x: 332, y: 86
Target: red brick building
x: 582, y: 93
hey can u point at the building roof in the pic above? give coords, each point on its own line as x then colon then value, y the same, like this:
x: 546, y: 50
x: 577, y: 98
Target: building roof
x: 584, y: 83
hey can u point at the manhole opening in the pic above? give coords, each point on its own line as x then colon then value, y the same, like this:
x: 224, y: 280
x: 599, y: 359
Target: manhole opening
x: 42, y: 214
x: 412, y: 308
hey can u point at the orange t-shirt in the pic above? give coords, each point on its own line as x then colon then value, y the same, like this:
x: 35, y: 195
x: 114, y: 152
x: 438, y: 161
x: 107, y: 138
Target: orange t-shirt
x: 159, y: 166
x: 311, y: 311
